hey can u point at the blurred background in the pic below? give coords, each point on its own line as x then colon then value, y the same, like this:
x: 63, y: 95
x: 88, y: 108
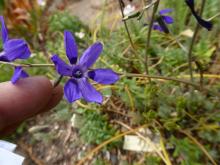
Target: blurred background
x: 181, y: 129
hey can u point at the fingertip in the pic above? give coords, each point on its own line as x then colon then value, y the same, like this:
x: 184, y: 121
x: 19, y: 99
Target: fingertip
x: 41, y: 81
x: 24, y: 99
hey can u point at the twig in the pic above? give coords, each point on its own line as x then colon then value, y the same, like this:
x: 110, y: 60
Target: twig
x: 143, y: 138
x: 149, y: 37
x: 29, y: 151
x: 96, y: 149
x: 68, y: 134
x: 165, y: 153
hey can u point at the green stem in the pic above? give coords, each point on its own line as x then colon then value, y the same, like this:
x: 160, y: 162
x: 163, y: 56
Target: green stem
x: 149, y: 37
x: 213, y: 17
x: 122, y: 74
x: 57, y: 82
x: 128, y: 33
x: 190, y: 58
x: 159, y: 77
x: 125, y: 24
x: 27, y: 65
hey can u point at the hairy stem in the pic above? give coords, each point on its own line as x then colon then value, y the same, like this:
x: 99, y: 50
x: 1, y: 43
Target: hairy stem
x: 160, y: 77
x: 128, y: 32
x: 27, y: 65
x: 125, y: 24
x: 57, y: 82
x: 149, y: 37
x: 122, y: 74
x: 190, y: 58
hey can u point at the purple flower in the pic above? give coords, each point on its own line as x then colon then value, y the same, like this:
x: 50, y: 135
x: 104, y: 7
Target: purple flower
x: 162, y: 20
x: 78, y: 86
x: 206, y: 24
x: 13, y: 49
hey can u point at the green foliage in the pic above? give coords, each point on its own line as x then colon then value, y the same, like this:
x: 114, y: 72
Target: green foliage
x: 96, y: 128
x: 100, y: 162
x: 61, y: 21
x: 180, y: 14
x: 152, y: 160
x: 204, y: 51
x: 187, y: 152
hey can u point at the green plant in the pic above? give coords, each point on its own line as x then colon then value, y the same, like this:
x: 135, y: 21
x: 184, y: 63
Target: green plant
x: 96, y: 128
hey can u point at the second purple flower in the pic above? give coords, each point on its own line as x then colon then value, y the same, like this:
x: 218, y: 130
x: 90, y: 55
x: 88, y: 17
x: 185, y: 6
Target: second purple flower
x: 79, y: 71
x: 13, y: 49
x: 162, y: 20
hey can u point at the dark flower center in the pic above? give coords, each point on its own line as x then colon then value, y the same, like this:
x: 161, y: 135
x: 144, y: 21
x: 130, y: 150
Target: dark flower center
x: 77, y: 73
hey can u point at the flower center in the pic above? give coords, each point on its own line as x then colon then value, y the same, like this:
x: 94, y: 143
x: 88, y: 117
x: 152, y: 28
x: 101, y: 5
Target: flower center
x: 77, y: 74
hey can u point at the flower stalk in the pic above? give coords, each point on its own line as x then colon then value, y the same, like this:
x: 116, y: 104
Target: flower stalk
x: 119, y: 73
x: 190, y: 52
x: 125, y: 24
x: 149, y: 37
x: 160, y: 78
x: 57, y: 82
x: 26, y: 65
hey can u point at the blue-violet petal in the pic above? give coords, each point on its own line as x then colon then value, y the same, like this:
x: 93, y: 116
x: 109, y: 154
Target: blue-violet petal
x: 18, y: 73
x: 4, y: 31
x: 168, y: 19
x: 71, y: 47
x: 89, y: 93
x: 61, y: 67
x: 165, y: 11
x: 90, y: 56
x: 103, y: 76
x: 71, y: 91
x: 16, y: 49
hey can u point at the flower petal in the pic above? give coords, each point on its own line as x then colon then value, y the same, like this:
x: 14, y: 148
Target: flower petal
x: 71, y: 91
x: 18, y: 73
x: 13, y: 43
x: 4, y: 31
x: 165, y: 11
x: 91, y: 55
x: 16, y: 49
x: 61, y: 67
x: 71, y: 47
x: 103, y: 76
x: 89, y: 93
x: 168, y: 19
x: 206, y: 24
x: 157, y: 27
